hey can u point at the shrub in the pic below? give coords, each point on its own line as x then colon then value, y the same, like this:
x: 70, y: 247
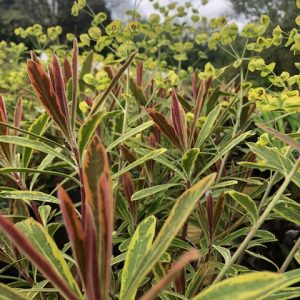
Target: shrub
x: 140, y: 180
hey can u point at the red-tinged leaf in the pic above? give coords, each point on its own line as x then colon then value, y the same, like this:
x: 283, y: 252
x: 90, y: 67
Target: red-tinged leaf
x: 210, y: 214
x: 201, y: 97
x: 44, y: 90
x: 23, y: 245
x: 92, y: 263
x: 18, y: 115
x: 97, y: 104
x: 138, y: 93
x: 127, y: 154
x: 128, y: 186
x: 74, y: 83
x: 165, y: 127
x: 67, y: 71
x: 129, y: 190
x: 94, y: 164
x: 5, y: 149
x: 51, y: 74
x: 174, y: 271
x: 150, y: 163
x: 218, y: 210
x: 59, y: 86
x: 75, y: 232
x: 98, y: 191
x: 139, y: 73
x: 105, y: 205
x: 179, y: 121
x: 3, y: 117
x: 152, y: 140
x: 157, y: 134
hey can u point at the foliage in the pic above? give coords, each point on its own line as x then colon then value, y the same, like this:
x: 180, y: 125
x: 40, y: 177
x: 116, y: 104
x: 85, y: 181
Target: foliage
x: 46, y: 13
x: 140, y: 177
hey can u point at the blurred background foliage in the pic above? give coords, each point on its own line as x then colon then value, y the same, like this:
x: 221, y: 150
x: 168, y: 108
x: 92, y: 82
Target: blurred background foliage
x: 47, y: 26
x: 20, y: 13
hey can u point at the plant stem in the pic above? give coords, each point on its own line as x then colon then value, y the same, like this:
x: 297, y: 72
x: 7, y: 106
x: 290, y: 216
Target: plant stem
x: 267, y: 192
x: 236, y: 127
x: 290, y: 256
x: 80, y: 174
x: 259, y: 222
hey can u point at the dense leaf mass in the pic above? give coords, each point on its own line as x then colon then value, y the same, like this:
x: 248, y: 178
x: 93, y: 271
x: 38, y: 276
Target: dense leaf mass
x: 131, y: 167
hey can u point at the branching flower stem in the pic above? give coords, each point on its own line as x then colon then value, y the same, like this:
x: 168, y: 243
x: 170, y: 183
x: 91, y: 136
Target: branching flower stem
x: 236, y: 127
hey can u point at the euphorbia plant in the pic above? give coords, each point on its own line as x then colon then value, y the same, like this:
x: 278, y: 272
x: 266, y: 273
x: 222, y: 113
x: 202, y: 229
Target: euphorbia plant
x: 148, y: 168
x: 90, y: 232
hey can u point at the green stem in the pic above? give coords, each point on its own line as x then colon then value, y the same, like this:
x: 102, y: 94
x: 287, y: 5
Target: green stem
x: 236, y: 126
x: 259, y: 222
x: 290, y: 256
x: 267, y: 191
x: 82, y: 191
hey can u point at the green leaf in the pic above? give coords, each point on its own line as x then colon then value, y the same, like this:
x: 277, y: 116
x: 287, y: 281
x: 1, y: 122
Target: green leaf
x: 246, y: 202
x: 36, y: 145
x: 28, y: 196
x: 224, y: 184
x: 151, y: 190
x: 250, y: 286
x: 224, y: 150
x: 138, y: 249
x: 208, y: 126
x: 287, y: 293
x: 87, y: 130
x: 129, y: 134
x: 37, y: 171
x: 224, y: 252
x: 7, y: 293
x: 87, y: 64
x: 31, y: 134
x: 46, y: 246
x: 188, y: 160
x: 288, y: 210
x: 183, y: 207
x: 275, y: 160
x: 37, y: 127
x: 260, y: 256
x: 47, y: 161
x: 163, y: 161
x: 280, y: 136
x: 150, y: 155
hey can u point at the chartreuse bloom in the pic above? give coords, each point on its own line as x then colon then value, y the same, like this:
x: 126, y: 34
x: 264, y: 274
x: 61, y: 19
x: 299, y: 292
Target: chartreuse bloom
x: 264, y: 101
x: 287, y: 100
x: 263, y: 140
x: 290, y: 100
x: 211, y: 72
x: 114, y: 28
